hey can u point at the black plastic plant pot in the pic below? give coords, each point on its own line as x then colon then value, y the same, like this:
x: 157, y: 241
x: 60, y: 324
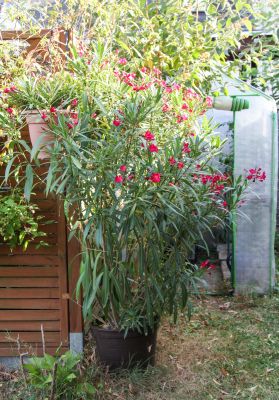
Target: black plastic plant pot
x: 115, y: 350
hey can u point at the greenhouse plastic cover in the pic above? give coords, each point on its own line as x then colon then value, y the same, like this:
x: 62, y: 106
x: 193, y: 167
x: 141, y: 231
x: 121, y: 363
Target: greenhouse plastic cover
x: 255, y: 145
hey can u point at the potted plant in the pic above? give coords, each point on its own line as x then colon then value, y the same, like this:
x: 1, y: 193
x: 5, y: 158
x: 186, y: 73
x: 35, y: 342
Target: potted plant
x: 40, y: 99
x: 139, y: 172
x: 141, y: 187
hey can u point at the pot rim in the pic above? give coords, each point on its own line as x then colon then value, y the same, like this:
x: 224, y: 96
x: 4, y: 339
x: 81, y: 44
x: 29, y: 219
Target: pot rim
x: 40, y: 111
x: 122, y: 331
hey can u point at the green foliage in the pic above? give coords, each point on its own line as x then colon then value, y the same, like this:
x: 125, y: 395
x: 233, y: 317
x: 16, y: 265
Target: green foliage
x: 59, y: 375
x: 18, y: 223
x: 138, y: 225
x: 262, y: 54
x: 167, y: 33
x: 42, y: 92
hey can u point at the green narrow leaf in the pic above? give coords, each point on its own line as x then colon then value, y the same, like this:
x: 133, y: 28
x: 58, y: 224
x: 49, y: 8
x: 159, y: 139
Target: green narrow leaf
x: 29, y: 182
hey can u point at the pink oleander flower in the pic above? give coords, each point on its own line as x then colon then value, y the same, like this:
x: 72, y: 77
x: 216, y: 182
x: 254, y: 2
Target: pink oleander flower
x: 94, y: 115
x: 52, y: 110
x: 185, y: 148
x: 153, y: 148
x: 166, y: 108
x: 70, y: 125
x: 149, y: 136
x: 7, y: 90
x: 180, y: 165
x: 181, y: 118
x: 122, y: 61
x: 118, y: 179
x: 10, y: 110
x: 74, y: 115
x: 155, y: 177
x: 123, y: 168
x: 204, y: 264
x: 209, y: 102
x: 176, y: 86
x: 185, y: 106
x: 168, y: 89
x: 116, y: 122
x: 144, y: 70
x: 256, y: 174
x: 74, y: 102
x: 172, y: 160
x: 156, y: 71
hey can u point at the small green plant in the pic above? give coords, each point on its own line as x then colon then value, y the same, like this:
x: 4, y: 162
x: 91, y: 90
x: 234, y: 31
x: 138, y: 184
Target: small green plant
x: 18, y: 223
x: 58, y: 377
x: 41, y: 92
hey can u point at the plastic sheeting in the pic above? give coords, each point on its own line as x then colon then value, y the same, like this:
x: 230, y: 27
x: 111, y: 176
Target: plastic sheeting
x: 255, y: 145
x: 253, y: 137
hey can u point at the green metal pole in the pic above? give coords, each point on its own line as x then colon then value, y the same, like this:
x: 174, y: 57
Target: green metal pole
x: 273, y: 203
x: 233, y: 271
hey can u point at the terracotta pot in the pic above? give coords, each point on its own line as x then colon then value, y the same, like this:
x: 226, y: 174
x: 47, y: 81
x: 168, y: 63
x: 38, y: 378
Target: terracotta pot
x: 38, y: 127
x: 115, y: 350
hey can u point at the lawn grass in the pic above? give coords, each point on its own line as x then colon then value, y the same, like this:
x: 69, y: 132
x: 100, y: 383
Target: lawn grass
x: 229, y: 350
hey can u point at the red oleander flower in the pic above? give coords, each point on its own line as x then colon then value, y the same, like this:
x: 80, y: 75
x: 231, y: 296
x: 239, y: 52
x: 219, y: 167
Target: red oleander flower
x: 256, y: 174
x: 74, y: 115
x: 122, y: 61
x: 94, y: 115
x: 185, y: 106
x: 180, y: 165
x: 116, y: 122
x: 168, y: 89
x: 7, y: 90
x: 44, y: 115
x: 144, y: 70
x: 123, y: 168
x: 149, y: 136
x: 204, y: 264
x: 153, y: 148
x: 118, y: 179
x: 52, y: 109
x: 224, y: 204
x: 181, y: 118
x: 10, y: 110
x: 176, y: 86
x: 209, y: 102
x: 74, y: 102
x: 156, y: 71
x: 172, y: 160
x: 155, y: 177
x: 185, y: 148
x: 166, y: 108
x: 13, y: 88
x: 69, y: 125
x: 198, y: 166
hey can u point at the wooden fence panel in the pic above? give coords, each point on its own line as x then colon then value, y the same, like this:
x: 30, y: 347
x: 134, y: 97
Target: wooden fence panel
x: 37, y: 285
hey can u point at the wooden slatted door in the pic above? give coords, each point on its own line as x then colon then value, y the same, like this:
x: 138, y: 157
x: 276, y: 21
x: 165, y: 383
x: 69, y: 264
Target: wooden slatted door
x: 33, y: 288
